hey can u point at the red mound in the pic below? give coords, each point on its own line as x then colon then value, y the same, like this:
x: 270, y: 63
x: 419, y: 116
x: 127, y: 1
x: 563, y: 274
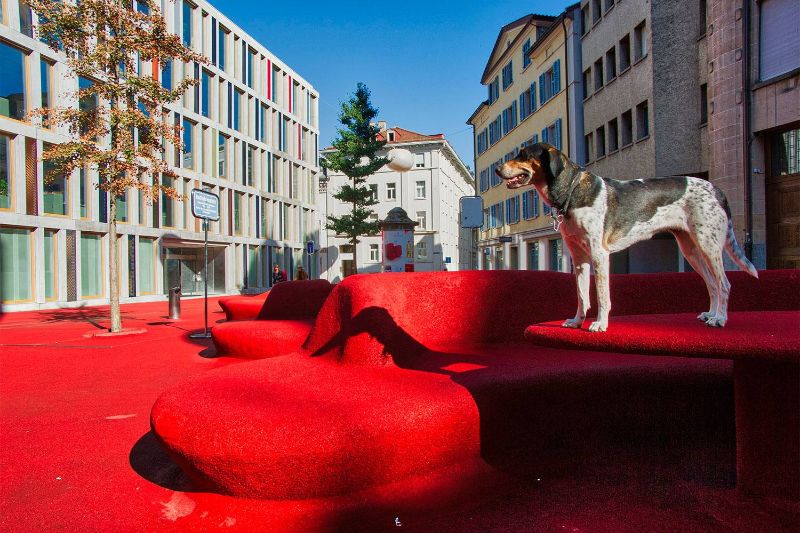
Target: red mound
x: 242, y: 307
x: 761, y: 334
x: 260, y: 338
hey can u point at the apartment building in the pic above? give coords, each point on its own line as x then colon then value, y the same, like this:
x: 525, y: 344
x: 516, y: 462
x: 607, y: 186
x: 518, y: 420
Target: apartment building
x: 644, y: 97
x: 534, y: 87
x: 250, y: 129
x: 429, y: 192
x: 753, y: 70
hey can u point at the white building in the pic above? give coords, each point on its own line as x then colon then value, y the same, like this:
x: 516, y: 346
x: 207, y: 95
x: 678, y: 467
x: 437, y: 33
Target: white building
x: 429, y: 193
x: 250, y: 130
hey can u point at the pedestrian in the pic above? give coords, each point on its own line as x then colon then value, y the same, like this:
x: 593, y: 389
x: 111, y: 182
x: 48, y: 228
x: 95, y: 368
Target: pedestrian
x: 278, y: 275
x: 301, y: 274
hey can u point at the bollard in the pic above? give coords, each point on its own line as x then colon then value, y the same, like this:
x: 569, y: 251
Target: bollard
x: 175, y: 303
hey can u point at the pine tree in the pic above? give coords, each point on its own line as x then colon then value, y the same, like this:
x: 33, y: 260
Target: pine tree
x: 354, y: 156
x: 124, y: 137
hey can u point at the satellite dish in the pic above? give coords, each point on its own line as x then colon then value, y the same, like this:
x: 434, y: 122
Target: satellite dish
x: 400, y: 159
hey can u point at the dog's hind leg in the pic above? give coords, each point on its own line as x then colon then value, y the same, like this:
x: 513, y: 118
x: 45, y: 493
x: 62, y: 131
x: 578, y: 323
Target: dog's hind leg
x: 582, y: 272
x: 698, y: 263
x: 711, y: 246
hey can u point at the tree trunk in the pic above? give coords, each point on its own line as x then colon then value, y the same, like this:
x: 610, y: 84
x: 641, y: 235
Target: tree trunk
x: 355, y: 256
x: 113, y: 264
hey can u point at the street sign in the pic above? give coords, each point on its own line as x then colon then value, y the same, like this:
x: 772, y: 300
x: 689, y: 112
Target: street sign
x: 471, y: 208
x: 310, y: 247
x: 505, y: 238
x: 205, y: 204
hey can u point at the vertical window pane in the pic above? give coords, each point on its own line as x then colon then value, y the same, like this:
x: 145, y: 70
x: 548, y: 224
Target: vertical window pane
x: 221, y: 159
x: 206, y: 87
x: 237, y: 213
x: 237, y: 96
x: 187, y: 23
x: 167, y: 219
x: 252, y: 266
x: 25, y: 18
x: 221, y: 54
x: 55, y: 189
x: 5, y: 171
x: 146, y: 264
x: 91, y: 259
x: 49, y: 265
x: 45, y: 68
x: 166, y: 75
x: 122, y: 208
x: 15, y: 265
x: 188, y: 147
x: 12, y: 83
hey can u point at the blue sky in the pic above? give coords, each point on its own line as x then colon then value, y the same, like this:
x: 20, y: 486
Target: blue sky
x: 422, y: 60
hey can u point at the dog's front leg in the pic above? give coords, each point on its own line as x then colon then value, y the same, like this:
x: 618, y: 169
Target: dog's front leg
x: 600, y: 261
x: 582, y: 271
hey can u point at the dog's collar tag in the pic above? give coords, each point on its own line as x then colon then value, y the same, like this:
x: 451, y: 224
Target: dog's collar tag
x: 557, y: 217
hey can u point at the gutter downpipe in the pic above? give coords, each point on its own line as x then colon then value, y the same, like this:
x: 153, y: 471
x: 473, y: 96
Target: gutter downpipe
x: 746, y: 136
x: 566, y: 75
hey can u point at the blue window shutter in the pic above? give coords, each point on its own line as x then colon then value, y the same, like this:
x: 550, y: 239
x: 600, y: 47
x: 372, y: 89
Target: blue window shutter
x: 522, y: 114
x: 557, y: 142
x: 525, y: 205
x: 541, y: 89
x: 513, y: 113
x: 557, y: 76
x: 535, y: 204
x: 533, y: 97
x: 544, y: 135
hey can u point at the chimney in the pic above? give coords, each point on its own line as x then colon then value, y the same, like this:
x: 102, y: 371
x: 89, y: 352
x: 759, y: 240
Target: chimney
x: 382, y: 125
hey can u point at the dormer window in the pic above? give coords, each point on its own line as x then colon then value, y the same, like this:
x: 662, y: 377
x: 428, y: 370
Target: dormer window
x: 390, y: 136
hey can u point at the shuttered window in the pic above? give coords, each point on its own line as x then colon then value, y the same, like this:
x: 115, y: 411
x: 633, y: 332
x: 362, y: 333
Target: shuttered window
x: 780, y: 37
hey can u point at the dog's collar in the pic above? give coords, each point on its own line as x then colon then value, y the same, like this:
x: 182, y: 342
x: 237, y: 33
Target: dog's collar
x: 557, y: 211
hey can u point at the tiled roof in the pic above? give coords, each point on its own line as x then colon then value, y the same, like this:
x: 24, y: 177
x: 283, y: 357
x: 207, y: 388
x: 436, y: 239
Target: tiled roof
x: 405, y: 136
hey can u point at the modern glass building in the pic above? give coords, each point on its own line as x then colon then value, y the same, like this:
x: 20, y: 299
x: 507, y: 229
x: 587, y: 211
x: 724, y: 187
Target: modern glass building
x: 250, y: 129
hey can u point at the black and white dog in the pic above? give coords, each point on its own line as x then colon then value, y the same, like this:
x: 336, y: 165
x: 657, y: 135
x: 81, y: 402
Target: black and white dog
x: 599, y: 216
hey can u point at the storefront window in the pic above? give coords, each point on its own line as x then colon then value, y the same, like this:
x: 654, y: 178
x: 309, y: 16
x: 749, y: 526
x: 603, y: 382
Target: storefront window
x: 91, y: 265
x: 786, y: 153
x: 147, y: 266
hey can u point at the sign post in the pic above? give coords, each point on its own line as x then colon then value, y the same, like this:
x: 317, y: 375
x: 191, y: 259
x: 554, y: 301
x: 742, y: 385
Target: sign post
x: 205, y: 205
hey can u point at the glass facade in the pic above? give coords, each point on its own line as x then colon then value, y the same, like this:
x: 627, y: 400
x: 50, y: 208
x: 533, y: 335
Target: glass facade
x: 16, y: 265
x: 91, y: 265
x: 13, y: 102
x: 5, y: 171
x: 146, y: 264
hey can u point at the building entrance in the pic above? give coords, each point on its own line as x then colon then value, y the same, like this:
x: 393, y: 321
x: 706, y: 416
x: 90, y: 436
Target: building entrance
x: 183, y: 267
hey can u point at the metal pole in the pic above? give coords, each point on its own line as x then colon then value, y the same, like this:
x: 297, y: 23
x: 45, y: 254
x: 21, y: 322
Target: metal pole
x: 205, y: 334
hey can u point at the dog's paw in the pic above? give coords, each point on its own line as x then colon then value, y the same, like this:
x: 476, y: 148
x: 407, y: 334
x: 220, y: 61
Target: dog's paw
x: 598, y: 326
x: 572, y: 323
x: 703, y: 317
x: 716, y: 322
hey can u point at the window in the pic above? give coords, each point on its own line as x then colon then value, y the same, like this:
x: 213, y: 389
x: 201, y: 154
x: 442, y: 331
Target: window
x: 609, y: 4
x: 527, y: 102
x: 587, y: 148
x: 50, y: 265
x: 600, y: 142
x: 419, y: 160
x: 596, y: 11
x: 13, y: 102
x: 779, y: 37
x: 785, y: 153
x: 188, y: 11
x: 508, y: 75
x: 556, y: 254
x: 374, y: 253
x: 146, y: 264
x: 510, y: 117
x: 56, y: 197
x: 167, y: 204
x: 91, y: 265
x: 251, y: 161
x: 205, y: 92
x: 88, y: 103
x: 624, y: 53
x: 587, y: 83
x: 251, y: 59
x: 237, y: 212
x: 512, y: 210
x: 237, y: 97
x: 420, y: 189
x: 526, y: 47
x: 188, y: 144
x: 642, y: 121
x: 613, y: 136
x: 421, y: 220
x: 422, y: 250
x: 639, y: 42
x: 46, y: 69
x: 84, y: 188
x: 25, y: 18
x: 627, y: 128
x: 704, y: 104
x: 5, y: 171
x: 391, y: 191
x: 598, y: 75
x: 533, y: 255
x: 530, y: 204
x: 16, y: 265
x: 585, y: 19
x: 611, y: 64
x: 166, y: 75
x: 494, y: 90
x: 703, y: 16
x: 222, y: 141
x: 373, y: 192
x: 550, y: 82
x: 222, y: 36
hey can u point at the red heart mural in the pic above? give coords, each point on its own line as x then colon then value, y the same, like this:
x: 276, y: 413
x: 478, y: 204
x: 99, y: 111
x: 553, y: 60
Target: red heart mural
x: 393, y: 251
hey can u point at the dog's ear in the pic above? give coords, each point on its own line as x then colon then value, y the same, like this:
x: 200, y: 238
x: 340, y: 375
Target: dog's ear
x: 556, y: 158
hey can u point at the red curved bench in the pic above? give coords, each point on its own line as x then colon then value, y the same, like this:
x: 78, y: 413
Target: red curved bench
x: 281, y: 324
x: 242, y: 307
x: 404, y: 375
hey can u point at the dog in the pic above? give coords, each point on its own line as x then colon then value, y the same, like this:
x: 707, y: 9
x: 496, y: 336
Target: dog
x: 599, y: 216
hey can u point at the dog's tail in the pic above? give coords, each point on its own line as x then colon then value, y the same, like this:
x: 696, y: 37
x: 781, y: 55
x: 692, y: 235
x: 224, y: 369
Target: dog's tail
x: 736, y: 253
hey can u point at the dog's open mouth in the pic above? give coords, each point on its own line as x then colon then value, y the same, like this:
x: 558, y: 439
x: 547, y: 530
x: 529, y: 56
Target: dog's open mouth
x: 517, y: 181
